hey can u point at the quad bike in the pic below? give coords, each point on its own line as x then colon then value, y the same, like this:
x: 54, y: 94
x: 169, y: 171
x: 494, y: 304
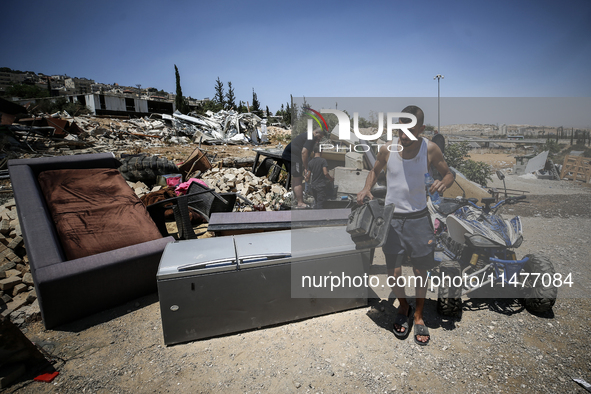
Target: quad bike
x: 478, y: 247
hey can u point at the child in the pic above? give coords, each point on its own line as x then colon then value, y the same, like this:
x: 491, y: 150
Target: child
x: 320, y: 180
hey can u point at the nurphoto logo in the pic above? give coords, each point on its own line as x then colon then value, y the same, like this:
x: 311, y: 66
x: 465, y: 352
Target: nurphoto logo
x: 344, y: 127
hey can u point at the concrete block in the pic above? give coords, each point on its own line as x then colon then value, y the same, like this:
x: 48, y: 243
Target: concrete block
x: 13, y: 272
x: 9, y: 283
x: 354, y: 160
x: 12, y: 214
x: 5, y: 264
x: 20, y: 288
x: 17, y: 260
x: 4, y: 226
x: 349, y: 180
x: 22, y: 268
x: 10, y: 255
x: 16, y: 303
x: 32, y: 296
x: 28, y: 279
x: 5, y: 299
x: 17, y: 241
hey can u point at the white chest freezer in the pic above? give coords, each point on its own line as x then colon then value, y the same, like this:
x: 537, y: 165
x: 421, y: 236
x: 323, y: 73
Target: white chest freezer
x: 215, y: 286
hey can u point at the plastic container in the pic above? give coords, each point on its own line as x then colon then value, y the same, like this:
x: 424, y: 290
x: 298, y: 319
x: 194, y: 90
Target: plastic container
x: 435, y: 200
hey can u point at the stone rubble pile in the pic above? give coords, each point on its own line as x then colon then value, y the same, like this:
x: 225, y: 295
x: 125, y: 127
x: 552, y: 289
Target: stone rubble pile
x: 258, y: 190
x: 18, y: 299
x: 141, y: 189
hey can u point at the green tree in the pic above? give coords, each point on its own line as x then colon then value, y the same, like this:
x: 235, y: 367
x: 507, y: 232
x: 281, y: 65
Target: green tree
x: 242, y: 108
x: 179, y: 101
x: 287, y: 114
x: 256, y: 105
x: 364, y: 123
x: 230, y: 98
x: 218, y: 98
x: 281, y: 112
x: 26, y: 91
x: 456, y: 156
x: 48, y: 105
x: 268, y: 112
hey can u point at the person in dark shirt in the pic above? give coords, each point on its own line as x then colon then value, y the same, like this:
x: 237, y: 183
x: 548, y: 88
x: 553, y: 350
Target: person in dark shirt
x: 295, y: 156
x: 320, y: 180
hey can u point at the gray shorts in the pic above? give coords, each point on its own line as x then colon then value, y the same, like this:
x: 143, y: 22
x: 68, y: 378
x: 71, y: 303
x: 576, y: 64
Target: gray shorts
x: 414, y: 238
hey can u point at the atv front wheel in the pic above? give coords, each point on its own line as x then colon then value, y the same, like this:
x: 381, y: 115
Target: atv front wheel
x: 539, y: 298
x: 449, y: 301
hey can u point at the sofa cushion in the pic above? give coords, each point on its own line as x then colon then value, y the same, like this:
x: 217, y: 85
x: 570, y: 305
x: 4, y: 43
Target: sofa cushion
x: 95, y: 211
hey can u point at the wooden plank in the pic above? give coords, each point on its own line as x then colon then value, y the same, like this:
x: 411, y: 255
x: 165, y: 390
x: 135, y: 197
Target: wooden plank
x: 576, y: 168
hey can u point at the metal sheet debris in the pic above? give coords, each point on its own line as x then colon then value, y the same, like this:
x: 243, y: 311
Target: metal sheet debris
x: 536, y: 163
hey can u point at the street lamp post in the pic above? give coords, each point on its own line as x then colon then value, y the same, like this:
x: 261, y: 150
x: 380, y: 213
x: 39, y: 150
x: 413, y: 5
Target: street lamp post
x: 438, y: 77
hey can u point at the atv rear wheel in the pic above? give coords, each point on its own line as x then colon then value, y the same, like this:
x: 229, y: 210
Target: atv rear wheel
x: 449, y: 301
x: 538, y: 298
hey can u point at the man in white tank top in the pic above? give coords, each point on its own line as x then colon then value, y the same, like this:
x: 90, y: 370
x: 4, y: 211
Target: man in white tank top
x: 411, y: 232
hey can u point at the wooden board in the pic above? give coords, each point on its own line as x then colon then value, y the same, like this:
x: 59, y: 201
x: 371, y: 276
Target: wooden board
x: 576, y: 168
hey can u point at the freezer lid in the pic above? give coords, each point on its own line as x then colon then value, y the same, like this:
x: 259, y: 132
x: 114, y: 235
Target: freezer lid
x: 218, y: 254
x: 291, y: 245
x: 197, y: 257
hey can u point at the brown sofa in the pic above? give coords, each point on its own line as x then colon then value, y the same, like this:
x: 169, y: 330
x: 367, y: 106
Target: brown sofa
x: 68, y: 289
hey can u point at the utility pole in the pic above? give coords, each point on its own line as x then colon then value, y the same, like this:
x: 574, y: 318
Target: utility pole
x: 438, y: 77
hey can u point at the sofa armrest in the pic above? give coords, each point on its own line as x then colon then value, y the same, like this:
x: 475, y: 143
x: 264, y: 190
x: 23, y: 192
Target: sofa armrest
x: 91, y: 160
x: 73, y: 289
x: 41, y: 240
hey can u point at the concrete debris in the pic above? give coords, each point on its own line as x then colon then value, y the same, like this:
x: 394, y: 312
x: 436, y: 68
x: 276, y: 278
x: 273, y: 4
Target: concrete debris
x: 228, y: 127
x: 259, y: 190
x: 141, y: 189
x: 17, y: 293
x: 61, y: 133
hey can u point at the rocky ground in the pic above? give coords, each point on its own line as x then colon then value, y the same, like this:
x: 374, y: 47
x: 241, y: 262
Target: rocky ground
x: 496, y: 345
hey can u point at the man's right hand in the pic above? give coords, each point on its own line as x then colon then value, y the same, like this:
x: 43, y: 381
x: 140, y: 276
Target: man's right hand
x: 362, y: 195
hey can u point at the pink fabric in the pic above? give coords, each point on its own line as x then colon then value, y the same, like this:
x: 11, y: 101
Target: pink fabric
x: 183, y: 187
x: 173, y: 181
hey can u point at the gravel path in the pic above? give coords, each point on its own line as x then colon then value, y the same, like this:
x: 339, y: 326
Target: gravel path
x: 496, y: 346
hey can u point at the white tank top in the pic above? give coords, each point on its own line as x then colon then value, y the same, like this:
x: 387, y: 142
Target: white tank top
x: 406, y: 180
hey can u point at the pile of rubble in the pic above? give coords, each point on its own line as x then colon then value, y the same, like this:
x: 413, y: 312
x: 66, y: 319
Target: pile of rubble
x: 258, y: 190
x: 18, y: 298
x: 228, y: 127
x: 62, y: 133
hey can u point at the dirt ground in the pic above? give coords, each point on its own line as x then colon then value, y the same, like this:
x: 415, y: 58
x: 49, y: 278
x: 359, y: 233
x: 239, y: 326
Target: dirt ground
x: 499, y: 161
x: 496, y: 345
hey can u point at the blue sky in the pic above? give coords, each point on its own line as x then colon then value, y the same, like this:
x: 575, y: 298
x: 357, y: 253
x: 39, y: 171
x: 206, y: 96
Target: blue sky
x: 312, y: 49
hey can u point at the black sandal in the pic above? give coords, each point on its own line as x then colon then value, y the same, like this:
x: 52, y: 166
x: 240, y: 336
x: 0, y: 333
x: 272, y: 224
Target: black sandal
x: 404, y: 322
x: 422, y: 330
